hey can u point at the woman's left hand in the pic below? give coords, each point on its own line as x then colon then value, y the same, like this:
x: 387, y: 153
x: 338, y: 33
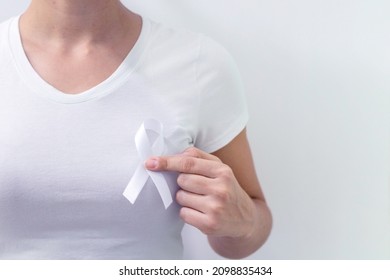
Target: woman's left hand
x: 211, y: 198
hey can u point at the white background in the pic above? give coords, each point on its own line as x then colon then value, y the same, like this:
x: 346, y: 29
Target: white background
x: 317, y: 79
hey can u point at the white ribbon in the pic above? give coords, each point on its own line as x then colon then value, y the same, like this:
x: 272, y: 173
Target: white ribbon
x: 149, y: 141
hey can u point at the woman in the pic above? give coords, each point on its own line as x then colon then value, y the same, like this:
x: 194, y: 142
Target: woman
x: 78, y: 78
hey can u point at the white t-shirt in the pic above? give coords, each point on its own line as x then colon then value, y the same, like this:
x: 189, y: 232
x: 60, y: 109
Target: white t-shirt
x: 65, y: 159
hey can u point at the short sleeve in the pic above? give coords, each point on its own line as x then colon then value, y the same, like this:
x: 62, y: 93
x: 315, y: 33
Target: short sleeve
x: 222, y: 112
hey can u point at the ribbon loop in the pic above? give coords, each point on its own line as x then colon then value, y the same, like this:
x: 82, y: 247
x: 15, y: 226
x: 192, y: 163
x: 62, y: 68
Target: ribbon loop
x: 149, y: 141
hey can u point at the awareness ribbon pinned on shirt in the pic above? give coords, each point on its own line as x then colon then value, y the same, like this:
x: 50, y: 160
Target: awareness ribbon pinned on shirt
x: 147, y: 146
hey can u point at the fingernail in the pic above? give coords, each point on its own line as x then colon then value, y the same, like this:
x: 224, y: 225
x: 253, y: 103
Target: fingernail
x: 151, y: 164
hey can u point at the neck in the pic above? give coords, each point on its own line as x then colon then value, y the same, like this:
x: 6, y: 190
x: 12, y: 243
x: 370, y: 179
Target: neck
x: 76, y: 20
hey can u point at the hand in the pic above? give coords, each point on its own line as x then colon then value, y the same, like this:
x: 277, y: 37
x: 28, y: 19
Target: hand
x: 211, y: 197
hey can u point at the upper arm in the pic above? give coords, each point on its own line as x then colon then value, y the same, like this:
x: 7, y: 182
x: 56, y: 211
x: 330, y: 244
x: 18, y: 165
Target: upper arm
x: 237, y: 155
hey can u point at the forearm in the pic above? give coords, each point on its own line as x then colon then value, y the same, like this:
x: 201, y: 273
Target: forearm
x: 241, y: 247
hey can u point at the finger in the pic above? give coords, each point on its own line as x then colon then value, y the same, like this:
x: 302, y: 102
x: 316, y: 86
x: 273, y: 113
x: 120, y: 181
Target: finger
x: 192, y: 217
x: 183, y: 164
x: 194, y: 183
x: 191, y: 200
x: 199, y: 220
x: 197, y: 153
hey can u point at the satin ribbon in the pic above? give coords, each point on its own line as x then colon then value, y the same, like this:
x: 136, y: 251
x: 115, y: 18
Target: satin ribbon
x: 149, y: 141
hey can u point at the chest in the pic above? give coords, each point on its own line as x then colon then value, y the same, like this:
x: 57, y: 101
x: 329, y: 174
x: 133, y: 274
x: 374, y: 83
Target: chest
x: 65, y: 167
x: 77, y: 71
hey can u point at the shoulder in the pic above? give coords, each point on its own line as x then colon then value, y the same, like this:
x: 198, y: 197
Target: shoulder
x: 170, y: 36
x: 181, y: 42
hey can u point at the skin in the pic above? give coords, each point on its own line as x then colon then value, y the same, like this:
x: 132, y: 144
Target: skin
x: 221, y: 196
x: 80, y: 36
x: 220, y: 192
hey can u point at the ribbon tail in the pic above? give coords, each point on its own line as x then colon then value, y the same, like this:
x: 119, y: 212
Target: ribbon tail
x: 162, y: 187
x: 136, y: 184
x: 148, y: 145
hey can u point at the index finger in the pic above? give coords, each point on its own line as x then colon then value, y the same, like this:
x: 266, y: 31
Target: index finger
x: 184, y: 164
x: 197, y: 153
